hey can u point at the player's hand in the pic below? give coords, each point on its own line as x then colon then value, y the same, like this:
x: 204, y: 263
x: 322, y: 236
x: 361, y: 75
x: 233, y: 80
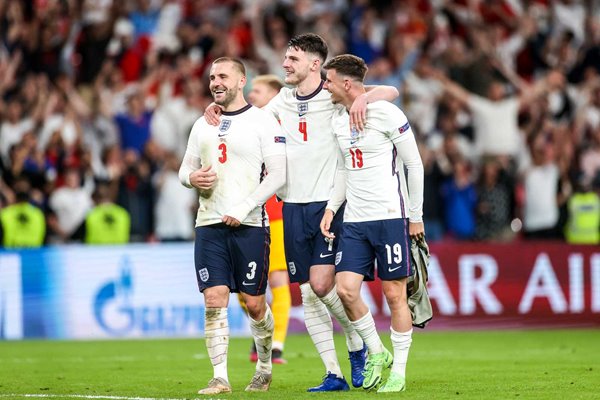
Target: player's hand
x: 213, y: 114
x: 358, y: 113
x: 203, y: 178
x: 326, y: 224
x: 230, y: 221
x: 416, y: 230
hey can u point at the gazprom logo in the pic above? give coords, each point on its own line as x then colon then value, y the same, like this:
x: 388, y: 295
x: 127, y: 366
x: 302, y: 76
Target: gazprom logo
x: 123, y: 307
x: 11, y: 297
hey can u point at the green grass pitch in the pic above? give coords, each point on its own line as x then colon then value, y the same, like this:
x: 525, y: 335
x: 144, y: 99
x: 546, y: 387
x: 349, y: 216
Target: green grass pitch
x: 558, y: 364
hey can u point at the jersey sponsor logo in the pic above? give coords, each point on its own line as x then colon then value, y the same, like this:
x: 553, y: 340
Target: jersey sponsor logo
x: 203, y: 274
x: 338, y: 257
x: 404, y: 127
x: 390, y: 269
x: 292, y: 267
x: 325, y: 255
x: 302, y: 109
x: 279, y: 139
x: 225, y: 124
x: 248, y: 283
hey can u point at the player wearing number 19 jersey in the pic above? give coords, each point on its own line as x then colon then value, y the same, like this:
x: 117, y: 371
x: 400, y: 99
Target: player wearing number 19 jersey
x: 383, y: 212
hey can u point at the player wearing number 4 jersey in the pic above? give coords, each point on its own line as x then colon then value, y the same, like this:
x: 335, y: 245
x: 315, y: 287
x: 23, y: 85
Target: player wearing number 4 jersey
x: 383, y: 212
x: 227, y: 165
x: 305, y: 113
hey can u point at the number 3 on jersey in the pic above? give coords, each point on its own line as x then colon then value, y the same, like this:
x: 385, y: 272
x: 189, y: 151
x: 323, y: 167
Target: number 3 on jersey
x: 302, y: 128
x: 357, y: 158
x: 223, y: 148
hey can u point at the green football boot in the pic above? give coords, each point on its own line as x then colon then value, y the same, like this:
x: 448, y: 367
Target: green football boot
x: 395, y: 383
x: 376, y: 363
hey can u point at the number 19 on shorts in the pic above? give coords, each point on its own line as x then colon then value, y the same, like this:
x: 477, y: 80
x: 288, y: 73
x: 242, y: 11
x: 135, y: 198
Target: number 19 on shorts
x: 394, y: 253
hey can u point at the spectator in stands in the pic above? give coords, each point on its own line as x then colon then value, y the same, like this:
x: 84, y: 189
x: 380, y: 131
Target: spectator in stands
x: 540, y: 180
x: 136, y: 194
x: 134, y: 125
x: 494, y: 200
x: 69, y: 205
x: 460, y: 199
x: 175, y: 204
x: 106, y: 222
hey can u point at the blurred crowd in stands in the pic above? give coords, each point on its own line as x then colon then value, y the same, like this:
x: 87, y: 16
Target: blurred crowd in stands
x: 97, y: 98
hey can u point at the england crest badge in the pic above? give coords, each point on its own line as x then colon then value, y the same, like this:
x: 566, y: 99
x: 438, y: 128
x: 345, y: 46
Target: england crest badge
x: 225, y: 124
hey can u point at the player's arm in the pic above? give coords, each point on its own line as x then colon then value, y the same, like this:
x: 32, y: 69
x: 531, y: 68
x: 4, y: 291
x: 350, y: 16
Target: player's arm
x: 358, y: 111
x: 338, y: 196
x: 408, y: 154
x: 191, y: 172
x: 273, y: 150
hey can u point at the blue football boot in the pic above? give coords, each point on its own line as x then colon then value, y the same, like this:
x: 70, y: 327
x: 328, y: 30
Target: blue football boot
x: 357, y: 365
x: 331, y: 383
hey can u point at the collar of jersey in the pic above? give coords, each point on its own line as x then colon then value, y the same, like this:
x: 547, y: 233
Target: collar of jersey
x: 241, y: 110
x: 313, y: 94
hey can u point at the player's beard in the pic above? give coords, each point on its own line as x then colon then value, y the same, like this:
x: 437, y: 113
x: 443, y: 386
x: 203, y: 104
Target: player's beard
x: 295, y: 77
x: 227, y: 97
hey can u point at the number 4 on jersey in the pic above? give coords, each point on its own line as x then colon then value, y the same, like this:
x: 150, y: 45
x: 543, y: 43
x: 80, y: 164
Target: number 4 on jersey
x: 302, y: 128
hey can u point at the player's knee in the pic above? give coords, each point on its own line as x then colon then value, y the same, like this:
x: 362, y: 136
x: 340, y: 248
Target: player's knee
x: 321, y: 287
x: 256, y: 307
x: 395, y: 298
x: 215, y: 298
x: 347, y: 295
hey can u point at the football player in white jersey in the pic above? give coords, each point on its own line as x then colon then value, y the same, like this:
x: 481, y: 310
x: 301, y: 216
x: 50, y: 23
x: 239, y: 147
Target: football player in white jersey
x: 383, y: 213
x: 305, y: 113
x: 226, y: 164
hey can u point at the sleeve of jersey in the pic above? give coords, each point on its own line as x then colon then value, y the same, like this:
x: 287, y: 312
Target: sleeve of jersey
x: 338, y: 193
x: 408, y: 154
x: 273, y: 150
x: 191, y: 160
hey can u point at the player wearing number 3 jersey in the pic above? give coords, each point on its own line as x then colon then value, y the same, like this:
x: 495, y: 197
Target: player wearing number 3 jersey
x: 383, y: 212
x: 227, y: 164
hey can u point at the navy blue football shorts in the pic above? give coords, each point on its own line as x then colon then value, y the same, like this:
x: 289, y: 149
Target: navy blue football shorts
x: 385, y: 241
x: 234, y: 257
x: 304, y: 243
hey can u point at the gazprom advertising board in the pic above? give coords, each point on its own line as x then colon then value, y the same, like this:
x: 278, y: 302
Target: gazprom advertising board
x: 80, y: 292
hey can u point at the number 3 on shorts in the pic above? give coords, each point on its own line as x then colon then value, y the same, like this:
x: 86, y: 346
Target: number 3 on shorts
x: 252, y: 267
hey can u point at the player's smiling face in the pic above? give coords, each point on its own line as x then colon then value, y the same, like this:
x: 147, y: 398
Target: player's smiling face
x: 297, y: 65
x: 225, y: 83
x: 334, y: 84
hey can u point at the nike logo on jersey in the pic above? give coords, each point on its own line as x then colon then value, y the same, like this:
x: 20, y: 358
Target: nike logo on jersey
x: 222, y: 134
x: 393, y: 269
x: 325, y: 255
x: 248, y: 283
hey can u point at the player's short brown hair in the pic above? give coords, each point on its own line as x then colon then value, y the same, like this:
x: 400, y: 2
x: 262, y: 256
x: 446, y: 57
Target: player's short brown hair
x: 348, y: 65
x: 310, y: 43
x: 238, y: 64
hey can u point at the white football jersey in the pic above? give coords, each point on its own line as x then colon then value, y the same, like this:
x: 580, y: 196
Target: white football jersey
x: 311, y: 147
x: 376, y: 187
x: 236, y: 150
